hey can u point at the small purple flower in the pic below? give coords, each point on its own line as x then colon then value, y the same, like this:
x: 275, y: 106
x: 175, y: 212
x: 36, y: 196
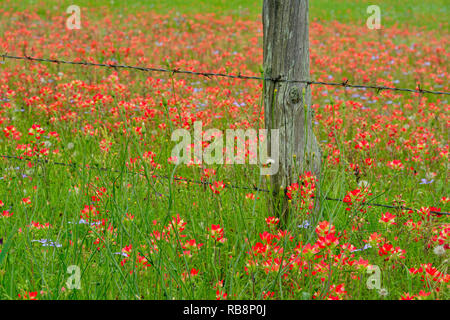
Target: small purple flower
x: 82, y: 221
x: 367, y: 246
x: 47, y: 243
x: 425, y: 181
x: 122, y: 254
x: 305, y: 225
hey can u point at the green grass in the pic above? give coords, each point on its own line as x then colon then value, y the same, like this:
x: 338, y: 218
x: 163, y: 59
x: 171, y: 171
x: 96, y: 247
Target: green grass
x: 431, y: 14
x: 58, y: 193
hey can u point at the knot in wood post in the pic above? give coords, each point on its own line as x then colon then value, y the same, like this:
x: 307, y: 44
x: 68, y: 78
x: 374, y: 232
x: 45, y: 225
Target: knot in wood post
x: 294, y: 95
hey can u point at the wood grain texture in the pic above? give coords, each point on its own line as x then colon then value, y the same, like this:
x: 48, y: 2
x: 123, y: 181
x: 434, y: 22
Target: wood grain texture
x: 286, y: 56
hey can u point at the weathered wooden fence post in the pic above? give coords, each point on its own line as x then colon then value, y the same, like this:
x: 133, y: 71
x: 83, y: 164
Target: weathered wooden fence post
x: 286, y: 104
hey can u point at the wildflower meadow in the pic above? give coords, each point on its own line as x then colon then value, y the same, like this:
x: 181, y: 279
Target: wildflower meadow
x: 95, y: 203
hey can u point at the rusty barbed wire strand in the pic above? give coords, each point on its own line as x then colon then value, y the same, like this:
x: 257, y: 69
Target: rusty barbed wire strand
x: 253, y: 188
x: 345, y: 83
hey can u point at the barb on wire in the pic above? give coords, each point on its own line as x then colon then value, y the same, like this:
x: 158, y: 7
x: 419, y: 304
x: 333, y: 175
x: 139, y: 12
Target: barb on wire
x: 224, y: 75
x: 74, y: 165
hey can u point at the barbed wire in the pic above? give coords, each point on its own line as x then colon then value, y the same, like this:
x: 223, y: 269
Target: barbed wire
x: 345, y: 83
x: 253, y: 188
x: 209, y: 75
